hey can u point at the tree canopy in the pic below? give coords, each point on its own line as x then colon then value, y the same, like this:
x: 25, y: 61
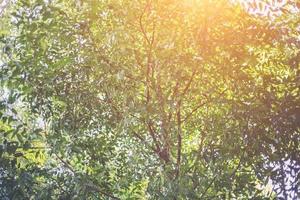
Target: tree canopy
x: 150, y: 99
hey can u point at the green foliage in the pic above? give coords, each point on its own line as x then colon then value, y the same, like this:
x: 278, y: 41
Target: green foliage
x: 148, y: 100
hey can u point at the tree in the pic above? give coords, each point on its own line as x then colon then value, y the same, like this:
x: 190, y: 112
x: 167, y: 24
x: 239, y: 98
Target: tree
x: 153, y: 99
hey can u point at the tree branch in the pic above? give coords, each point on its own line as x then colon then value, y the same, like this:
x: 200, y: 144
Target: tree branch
x: 179, y: 138
x: 209, y: 185
x: 89, y: 184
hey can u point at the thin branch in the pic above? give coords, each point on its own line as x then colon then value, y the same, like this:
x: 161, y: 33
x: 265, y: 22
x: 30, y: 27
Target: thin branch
x: 179, y: 138
x: 90, y: 184
x: 143, y: 140
x: 209, y: 185
x: 153, y: 32
x: 152, y: 133
x: 96, y: 188
x: 238, y: 166
x: 193, y: 111
x: 199, y: 106
x: 66, y: 164
x: 141, y: 23
x: 188, y: 84
x: 175, y: 90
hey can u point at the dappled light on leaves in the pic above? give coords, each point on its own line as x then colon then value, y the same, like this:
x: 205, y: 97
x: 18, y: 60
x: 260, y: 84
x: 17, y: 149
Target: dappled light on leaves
x: 147, y: 99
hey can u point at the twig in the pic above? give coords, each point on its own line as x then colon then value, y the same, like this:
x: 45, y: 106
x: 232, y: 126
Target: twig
x: 90, y: 184
x: 179, y: 138
x: 209, y: 185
